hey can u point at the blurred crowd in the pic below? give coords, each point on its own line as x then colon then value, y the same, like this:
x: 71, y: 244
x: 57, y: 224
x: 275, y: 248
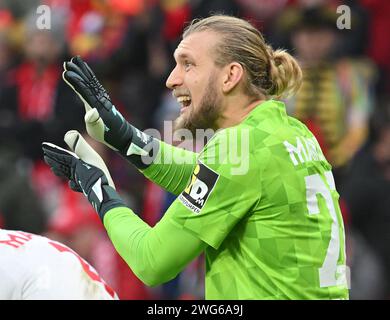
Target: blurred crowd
x: 344, y: 100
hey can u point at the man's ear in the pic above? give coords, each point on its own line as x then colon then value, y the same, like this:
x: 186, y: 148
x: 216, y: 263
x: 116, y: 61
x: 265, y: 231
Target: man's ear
x: 234, y: 72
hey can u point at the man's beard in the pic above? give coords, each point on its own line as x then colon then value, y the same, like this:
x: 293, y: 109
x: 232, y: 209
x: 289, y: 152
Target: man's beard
x: 206, y: 115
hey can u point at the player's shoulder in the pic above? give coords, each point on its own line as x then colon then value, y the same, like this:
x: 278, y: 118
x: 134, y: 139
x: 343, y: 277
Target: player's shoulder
x: 229, y: 153
x: 251, y: 144
x: 18, y: 242
x: 15, y: 238
x: 269, y: 123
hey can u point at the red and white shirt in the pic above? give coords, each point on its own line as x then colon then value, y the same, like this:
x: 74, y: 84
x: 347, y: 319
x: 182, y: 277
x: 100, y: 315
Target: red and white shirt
x: 35, y: 267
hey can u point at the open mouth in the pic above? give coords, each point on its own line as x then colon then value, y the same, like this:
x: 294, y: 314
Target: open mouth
x: 184, y: 101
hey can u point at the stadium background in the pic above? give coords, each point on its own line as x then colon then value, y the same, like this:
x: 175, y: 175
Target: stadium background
x: 344, y: 100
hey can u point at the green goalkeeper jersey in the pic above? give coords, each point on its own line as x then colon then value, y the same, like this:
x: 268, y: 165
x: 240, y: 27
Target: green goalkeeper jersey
x: 262, y: 200
x: 263, y: 197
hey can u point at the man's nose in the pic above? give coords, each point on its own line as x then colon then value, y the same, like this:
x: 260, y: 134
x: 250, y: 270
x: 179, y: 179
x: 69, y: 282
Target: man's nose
x: 175, y: 79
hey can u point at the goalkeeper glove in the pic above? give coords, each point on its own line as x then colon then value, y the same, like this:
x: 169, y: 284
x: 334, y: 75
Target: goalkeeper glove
x: 103, y: 121
x: 92, y: 179
x: 85, y: 152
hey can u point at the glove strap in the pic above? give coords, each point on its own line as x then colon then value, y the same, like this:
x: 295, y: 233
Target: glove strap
x: 111, y: 200
x: 142, y: 149
x: 100, y: 194
x: 134, y: 145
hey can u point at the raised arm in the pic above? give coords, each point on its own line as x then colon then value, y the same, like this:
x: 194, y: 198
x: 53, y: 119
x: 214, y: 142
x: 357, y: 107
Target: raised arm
x: 156, y: 255
x: 104, y: 123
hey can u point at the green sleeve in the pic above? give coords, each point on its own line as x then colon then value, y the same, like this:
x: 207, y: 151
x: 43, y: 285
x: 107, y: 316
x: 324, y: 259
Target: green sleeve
x: 172, y: 168
x: 155, y: 255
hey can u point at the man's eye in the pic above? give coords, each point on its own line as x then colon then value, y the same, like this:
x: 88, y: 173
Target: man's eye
x: 187, y: 65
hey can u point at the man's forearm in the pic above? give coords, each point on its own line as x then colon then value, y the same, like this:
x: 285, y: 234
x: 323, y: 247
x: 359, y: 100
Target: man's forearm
x: 171, y: 168
x: 156, y: 255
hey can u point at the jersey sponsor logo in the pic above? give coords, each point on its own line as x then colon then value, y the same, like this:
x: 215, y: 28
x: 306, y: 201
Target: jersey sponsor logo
x: 200, y: 187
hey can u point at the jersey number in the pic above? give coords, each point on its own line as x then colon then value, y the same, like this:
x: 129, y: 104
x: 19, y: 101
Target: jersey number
x: 330, y: 273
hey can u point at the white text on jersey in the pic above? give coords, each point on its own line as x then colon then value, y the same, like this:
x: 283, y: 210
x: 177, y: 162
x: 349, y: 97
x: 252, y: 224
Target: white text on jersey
x: 306, y: 149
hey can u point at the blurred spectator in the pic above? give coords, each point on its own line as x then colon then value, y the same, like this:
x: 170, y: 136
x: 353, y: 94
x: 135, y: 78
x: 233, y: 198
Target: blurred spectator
x: 19, y: 8
x: 20, y: 207
x: 262, y: 13
x: 367, y: 273
x: 203, y: 8
x: 35, y: 101
x: 5, y: 48
x: 352, y: 42
x: 95, y: 28
x: 335, y: 98
x: 378, y: 46
x: 367, y: 188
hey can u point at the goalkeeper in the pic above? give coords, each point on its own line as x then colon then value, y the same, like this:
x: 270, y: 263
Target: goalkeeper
x: 269, y: 224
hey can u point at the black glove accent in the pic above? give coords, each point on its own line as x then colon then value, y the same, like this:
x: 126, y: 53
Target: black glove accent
x: 81, y: 77
x: 144, y: 142
x: 83, y: 177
